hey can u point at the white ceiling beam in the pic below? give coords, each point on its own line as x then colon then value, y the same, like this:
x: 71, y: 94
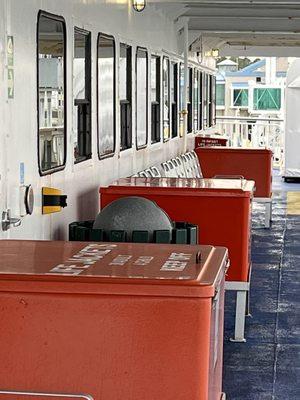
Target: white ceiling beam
x: 231, y: 3
x: 217, y: 32
x: 260, y: 51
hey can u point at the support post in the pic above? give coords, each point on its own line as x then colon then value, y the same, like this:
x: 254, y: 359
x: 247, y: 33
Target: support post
x: 242, y: 292
x: 268, y: 209
x: 240, y: 313
x: 186, y: 71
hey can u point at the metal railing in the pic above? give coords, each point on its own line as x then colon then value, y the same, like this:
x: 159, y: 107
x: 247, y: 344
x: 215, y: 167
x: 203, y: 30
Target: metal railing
x: 254, y: 132
x: 43, y: 395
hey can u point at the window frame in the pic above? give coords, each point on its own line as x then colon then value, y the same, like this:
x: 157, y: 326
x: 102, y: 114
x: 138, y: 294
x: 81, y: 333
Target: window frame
x: 129, y: 91
x: 147, y: 97
x: 208, y: 100
x: 218, y: 106
x: 167, y: 59
x: 232, y: 97
x: 196, y: 101
x: 112, y: 153
x: 158, y: 88
x: 266, y: 88
x: 174, y: 67
x: 190, y: 100
x: 204, y: 100
x: 201, y: 99
x: 59, y: 18
x: 180, y: 99
x: 211, y: 102
x: 88, y: 88
x: 214, y: 99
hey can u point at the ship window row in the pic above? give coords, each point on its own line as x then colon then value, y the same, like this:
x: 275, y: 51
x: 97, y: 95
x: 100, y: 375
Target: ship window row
x: 159, y: 90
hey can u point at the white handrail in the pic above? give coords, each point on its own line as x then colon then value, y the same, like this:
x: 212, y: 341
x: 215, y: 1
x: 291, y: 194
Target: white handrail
x: 64, y: 396
x: 249, y: 119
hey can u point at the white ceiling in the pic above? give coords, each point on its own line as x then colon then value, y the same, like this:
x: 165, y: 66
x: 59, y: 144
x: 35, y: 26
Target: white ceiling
x: 239, y: 24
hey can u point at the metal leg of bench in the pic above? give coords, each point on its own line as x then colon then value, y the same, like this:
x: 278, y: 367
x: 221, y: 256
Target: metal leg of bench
x: 240, y: 311
x: 268, y: 214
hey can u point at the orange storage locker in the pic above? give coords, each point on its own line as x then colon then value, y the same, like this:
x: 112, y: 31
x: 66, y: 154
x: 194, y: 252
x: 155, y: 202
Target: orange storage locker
x: 111, y: 321
x: 220, y: 207
x: 252, y: 164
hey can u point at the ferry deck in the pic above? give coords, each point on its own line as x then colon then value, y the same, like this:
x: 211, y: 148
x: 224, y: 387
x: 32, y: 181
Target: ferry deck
x: 106, y: 99
x: 266, y: 367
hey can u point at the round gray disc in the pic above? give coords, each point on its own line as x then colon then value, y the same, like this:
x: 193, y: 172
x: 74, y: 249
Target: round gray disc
x: 133, y: 214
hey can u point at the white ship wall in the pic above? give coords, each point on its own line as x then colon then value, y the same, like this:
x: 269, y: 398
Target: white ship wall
x: 18, y: 116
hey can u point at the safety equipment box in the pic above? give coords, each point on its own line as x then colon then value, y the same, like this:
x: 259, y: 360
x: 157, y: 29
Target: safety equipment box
x: 252, y: 164
x: 210, y: 140
x: 111, y: 320
x: 220, y: 207
x: 222, y: 210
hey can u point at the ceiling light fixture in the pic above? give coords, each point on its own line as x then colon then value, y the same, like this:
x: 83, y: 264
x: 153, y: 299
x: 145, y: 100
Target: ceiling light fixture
x: 139, y: 5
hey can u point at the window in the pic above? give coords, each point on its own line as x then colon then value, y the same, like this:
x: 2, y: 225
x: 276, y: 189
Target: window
x: 190, y: 101
x: 155, y: 99
x: 51, y: 66
x: 106, y: 95
x: 174, y: 99
x: 240, y: 97
x: 196, y: 100
x: 267, y: 98
x: 166, y: 99
x: 204, y: 102
x: 220, y: 94
x: 211, y: 100
x: 208, y: 105
x: 200, y: 79
x: 141, y: 97
x: 82, y: 94
x: 125, y: 94
x: 181, y: 105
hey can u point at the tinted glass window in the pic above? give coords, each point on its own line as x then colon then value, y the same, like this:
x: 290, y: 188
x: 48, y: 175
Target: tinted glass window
x: 106, y: 95
x: 125, y: 94
x: 51, y: 92
x: 181, y: 91
x: 166, y: 98
x: 220, y: 94
x: 240, y: 97
x: 82, y: 94
x: 125, y: 72
x: 174, y: 98
x: 267, y: 99
x: 141, y: 97
x: 196, y: 100
x: 155, y: 99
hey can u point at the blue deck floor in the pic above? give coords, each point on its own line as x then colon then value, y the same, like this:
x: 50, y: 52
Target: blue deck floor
x: 267, y: 366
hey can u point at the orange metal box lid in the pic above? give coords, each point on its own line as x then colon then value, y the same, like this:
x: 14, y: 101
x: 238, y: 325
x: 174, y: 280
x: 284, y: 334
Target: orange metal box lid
x: 111, y: 268
x: 219, y: 187
x: 236, y: 149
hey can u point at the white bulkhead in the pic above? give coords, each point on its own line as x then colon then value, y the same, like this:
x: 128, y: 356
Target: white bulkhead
x: 19, y: 164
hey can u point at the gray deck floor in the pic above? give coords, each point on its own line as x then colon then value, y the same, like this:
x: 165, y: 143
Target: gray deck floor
x: 267, y: 366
